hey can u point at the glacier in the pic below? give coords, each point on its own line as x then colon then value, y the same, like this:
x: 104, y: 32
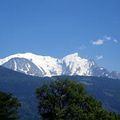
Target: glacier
x: 42, y: 66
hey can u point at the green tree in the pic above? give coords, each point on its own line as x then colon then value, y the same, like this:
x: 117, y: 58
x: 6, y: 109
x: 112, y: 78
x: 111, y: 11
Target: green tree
x: 68, y: 100
x: 8, y: 106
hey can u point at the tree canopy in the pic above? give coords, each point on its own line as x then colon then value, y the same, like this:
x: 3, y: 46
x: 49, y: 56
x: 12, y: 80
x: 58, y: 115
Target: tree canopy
x: 8, y: 106
x: 68, y: 100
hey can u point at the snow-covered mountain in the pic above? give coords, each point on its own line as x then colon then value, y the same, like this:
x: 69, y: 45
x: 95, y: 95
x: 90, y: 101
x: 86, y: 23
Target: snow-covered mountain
x: 42, y: 66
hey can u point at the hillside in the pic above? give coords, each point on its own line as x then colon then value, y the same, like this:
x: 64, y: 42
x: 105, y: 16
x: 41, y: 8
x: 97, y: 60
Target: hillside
x: 23, y: 86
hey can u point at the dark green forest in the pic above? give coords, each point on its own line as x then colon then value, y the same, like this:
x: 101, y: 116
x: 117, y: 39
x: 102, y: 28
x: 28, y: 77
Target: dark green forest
x: 59, y: 100
x: 8, y: 106
x: 23, y: 87
x: 68, y: 100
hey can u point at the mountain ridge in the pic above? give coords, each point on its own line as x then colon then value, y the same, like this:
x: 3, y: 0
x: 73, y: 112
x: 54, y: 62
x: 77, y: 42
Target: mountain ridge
x: 43, y: 66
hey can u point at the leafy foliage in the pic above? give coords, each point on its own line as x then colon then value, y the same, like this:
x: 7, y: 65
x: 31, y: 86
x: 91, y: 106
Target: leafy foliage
x: 67, y: 100
x: 104, y: 89
x: 8, y: 106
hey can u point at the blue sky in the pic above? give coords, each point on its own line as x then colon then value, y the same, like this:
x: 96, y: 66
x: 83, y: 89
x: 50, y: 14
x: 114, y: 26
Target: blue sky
x: 61, y: 27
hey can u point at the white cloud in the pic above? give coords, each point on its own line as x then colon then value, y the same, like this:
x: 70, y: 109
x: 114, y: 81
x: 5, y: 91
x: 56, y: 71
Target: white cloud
x: 105, y: 39
x: 98, y: 42
x: 99, y: 57
x: 115, y: 41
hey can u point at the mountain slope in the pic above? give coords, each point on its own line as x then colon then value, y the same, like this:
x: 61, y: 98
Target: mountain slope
x: 42, y: 66
x: 23, y: 86
x: 23, y: 65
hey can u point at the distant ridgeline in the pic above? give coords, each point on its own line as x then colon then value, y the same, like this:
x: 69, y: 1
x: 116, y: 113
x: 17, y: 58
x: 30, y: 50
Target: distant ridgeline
x: 23, y: 86
x: 42, y: 66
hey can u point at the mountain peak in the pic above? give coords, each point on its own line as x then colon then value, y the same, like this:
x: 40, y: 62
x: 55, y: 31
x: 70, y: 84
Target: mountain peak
x: 39, y: 65
x: 74, y: 54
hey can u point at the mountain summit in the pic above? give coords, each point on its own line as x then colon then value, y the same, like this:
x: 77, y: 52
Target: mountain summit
x: 42, y: 66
